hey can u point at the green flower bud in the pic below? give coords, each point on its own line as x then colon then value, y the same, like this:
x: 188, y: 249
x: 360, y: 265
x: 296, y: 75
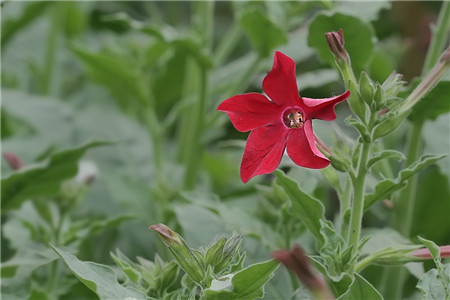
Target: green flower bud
x: 181, y: 251
x: 366, y: 88
x: 356, y: 103
x: 379, y: 95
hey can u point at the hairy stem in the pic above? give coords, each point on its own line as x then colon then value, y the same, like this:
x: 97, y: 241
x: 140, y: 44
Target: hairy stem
x: 358, y: 182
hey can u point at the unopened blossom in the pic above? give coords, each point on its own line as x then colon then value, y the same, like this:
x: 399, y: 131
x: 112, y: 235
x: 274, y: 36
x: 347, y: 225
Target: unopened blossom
x: 280, y: 121
x: 297, y: 261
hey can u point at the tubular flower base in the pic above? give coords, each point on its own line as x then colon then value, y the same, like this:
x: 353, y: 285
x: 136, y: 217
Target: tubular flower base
x: 283, y: 120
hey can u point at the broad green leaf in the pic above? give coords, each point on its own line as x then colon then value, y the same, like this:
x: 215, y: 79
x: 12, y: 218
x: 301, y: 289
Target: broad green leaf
x: 431, y: 284
x: 433, y: 104
x: 44, y: 179
x: 360, y: 289
x: 308, y: 209
x: 443, y: 272
x: 245, y: 284
x: 364, y: 10
x: 98, y: 278
x: 264, y: 34
x: 358, y: 38
x: 432, y: 204
x: 386, y: 187
x: 385, y: 154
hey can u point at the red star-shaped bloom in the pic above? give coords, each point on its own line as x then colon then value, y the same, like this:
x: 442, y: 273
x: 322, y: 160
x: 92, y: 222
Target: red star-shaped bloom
x: 282, y: 122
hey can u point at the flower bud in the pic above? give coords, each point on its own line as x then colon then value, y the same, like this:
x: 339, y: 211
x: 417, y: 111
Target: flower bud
x: 336, y: 43
x: 366, y: 88
x: 392, y: 85
x: 13, y: 160
x: 424, y: 253
x: 298, y: 262
x: 181, y: 251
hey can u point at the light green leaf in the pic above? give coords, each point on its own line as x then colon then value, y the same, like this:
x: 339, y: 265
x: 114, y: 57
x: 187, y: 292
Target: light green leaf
x: 358, y: 38
x: 98, y: 278
x: 360, y: 289
x: 431, y: 284
x: 264, y: 34
x: 43, y: 179
x: 245, y: 284
x: 308, y: 209
x: 386, y: 187
x: 385, y: 154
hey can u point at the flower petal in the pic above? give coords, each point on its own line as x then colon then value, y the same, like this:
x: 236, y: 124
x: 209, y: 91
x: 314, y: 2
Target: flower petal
x: 249, y: 111
x: 263, y: 151
x: 280, y: 84
x: 301, y: 148
x: 323, y: 108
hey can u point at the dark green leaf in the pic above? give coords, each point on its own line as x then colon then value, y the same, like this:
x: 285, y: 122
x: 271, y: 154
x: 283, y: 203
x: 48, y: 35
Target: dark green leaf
x: 244, y: 285
x: 386, y: 187
x: 42, y: 180
x: 98, y: 278
x: 360, y: 289
x: 264, y: 34
x: 433, y: 104
x: 358, y: 38
x: 308, y: 209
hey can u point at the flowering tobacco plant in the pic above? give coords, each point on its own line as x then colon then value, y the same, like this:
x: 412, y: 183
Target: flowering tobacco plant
x: 283, y: 120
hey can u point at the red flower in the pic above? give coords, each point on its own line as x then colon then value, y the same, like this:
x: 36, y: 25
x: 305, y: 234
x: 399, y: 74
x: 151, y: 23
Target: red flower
x: 281, y: 121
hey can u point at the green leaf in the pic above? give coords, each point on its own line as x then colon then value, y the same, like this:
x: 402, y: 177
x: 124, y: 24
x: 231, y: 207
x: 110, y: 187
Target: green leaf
x: 390, y: 122
x: 358, y: 38
x: 433, y: 104
x: 44, y: 179
x: 360, y: 289
x: 386, y: 187
x: 264, y: 34
x: 432, y: 204
x: 442, y: 275
x: 11, y: 26
x: 98, y: 278
x: 245, y: 284
x: 385, y: 154
x: 303, y: 206
x: 362, y: 129
x: 431, y: 284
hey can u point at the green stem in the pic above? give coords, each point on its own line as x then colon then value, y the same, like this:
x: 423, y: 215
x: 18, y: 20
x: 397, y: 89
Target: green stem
x: 345, y: 206
x: 50, y: 53
x: 406, y: 203
x: 358, y: 198
x: 441, y: 32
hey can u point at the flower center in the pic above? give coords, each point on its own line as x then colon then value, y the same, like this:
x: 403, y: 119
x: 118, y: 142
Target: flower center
x: 293, y: 118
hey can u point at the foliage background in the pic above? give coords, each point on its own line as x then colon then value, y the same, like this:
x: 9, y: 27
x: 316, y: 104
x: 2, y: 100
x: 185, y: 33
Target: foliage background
x: 148, y: 76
